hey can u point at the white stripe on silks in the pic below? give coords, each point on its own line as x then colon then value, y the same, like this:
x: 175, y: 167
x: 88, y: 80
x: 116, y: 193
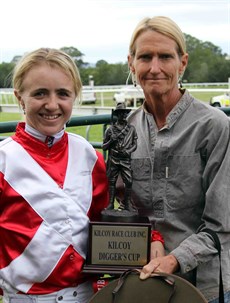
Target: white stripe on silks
x: 80, y: 189
x: 65, y: 217
x: 29, y: 266
x: 81, y: 162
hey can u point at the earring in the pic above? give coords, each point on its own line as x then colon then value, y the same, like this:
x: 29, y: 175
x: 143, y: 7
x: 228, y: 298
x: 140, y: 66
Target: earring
x: 133, y: 76
x: 180, y: 81
x: 127, y: 80
x: 134, y: 80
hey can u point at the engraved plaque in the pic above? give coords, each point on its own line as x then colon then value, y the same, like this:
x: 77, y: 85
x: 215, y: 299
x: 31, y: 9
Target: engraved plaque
x: 115, y: 247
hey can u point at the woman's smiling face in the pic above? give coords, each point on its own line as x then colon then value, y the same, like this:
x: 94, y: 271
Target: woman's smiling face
x: 47, y: 98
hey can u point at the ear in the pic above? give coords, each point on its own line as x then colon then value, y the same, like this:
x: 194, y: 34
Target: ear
x: 184, y: 63
x: 130, y: 63
x: 19, y: 98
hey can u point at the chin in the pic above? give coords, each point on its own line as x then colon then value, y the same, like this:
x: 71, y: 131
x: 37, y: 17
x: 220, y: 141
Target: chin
x: 50, y: 131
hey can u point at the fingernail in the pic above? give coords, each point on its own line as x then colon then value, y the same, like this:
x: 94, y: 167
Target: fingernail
x: 143, y: 276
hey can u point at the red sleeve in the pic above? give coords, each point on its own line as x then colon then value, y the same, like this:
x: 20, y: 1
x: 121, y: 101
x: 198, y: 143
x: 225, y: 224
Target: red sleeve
x: 156, y: 236
x: 100, y: 198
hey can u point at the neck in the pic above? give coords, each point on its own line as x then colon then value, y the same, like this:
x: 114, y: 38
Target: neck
x: 160, y: 106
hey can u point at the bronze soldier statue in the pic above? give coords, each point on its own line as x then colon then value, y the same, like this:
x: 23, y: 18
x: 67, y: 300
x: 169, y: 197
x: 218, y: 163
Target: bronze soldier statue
x: 120, y: 141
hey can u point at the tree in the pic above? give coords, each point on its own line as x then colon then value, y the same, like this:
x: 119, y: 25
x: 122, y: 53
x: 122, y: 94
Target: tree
x: 6, y: 74
x: 75, y: 54
x: 85, y: 73
x: 206, y: 62
x: 102, y: 72
x: 119, y: 73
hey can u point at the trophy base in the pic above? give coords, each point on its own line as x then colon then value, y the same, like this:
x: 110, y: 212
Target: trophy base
x: 116, y: 215
x: 115, y: 246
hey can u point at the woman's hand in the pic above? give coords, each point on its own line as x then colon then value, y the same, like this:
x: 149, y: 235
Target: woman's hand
x: 167, y: 264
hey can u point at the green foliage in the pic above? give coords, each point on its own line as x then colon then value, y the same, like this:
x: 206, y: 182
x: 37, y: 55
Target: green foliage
x: 5, y: 74
x: 75, y: 54
x: 206, y: 64
x: 105, y: 73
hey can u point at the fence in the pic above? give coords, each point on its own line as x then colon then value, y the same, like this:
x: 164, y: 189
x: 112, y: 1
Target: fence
x: 99, y: 115
x: 7, y: 96
x: 7, y: 127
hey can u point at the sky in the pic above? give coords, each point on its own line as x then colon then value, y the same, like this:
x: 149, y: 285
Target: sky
x: 101, y: 29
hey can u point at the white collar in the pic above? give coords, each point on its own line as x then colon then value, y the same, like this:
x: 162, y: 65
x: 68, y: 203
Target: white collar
x: 36, y: 134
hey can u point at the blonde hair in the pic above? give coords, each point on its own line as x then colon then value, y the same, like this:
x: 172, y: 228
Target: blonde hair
x: 53, y: 57
x: 162, y: 25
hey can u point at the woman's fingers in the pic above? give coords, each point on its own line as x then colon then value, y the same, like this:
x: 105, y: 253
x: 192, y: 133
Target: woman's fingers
x: 148, y: 269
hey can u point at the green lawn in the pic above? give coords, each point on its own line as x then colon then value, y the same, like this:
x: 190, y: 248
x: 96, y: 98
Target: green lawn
x: 10, y: 117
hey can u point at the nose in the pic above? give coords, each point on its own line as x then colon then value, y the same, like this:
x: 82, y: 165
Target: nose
x: 155, y: 65
x: 52, y: 102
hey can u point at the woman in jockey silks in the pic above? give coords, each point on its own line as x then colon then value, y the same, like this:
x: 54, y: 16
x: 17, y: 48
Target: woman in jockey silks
x: 51, y: 184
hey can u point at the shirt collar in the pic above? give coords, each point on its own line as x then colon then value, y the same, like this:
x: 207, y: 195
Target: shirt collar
x: 36, y: 134
x: 178, y: 109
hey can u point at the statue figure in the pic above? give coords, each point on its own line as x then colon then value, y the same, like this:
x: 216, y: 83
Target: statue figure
x: 120, y: 141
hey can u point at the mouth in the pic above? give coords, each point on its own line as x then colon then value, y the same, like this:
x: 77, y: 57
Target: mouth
x: 155, y: 79
x: 50, y: 117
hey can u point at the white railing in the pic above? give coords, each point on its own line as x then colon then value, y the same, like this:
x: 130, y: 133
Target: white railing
x: 7, y: 97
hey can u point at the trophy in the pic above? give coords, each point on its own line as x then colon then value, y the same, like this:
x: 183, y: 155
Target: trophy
x: 121, y: 240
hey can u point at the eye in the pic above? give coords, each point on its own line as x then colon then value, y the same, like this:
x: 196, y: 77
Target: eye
x: 39, y: 93
x: 64, y: 93
x: 165, y: 56
x: 145, y: 57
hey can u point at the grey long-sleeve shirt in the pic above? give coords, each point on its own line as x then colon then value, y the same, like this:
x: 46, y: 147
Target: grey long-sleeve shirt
x: 181, y: 180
